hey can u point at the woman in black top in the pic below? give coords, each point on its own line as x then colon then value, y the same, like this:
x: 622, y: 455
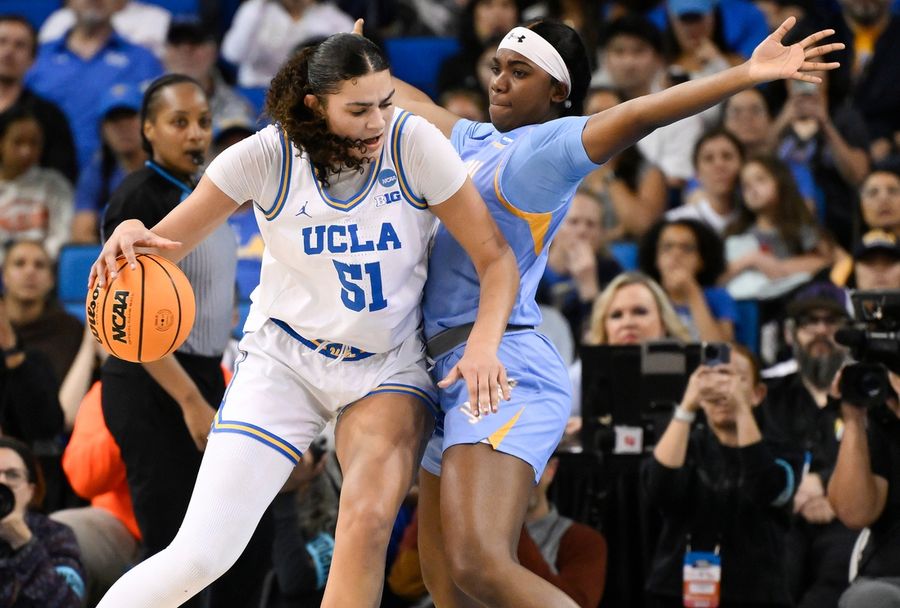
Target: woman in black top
x: 720, y: 488
x: 160, y: 412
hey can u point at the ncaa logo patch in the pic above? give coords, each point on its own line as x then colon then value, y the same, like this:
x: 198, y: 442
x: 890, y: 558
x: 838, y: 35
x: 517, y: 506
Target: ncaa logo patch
x: 387, y: 178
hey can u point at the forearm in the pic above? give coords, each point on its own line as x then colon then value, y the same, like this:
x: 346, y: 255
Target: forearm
x: 852, y: 490
x: 405, y: 93
x: 709, y: 328
x: 810, y: 262
x: 636, y: 213
x: 77, y: 381
x: 671, y: 450
x: 172, y: 377
x: 499, y: 281
x: 852, y: 163
x: 194, y: 219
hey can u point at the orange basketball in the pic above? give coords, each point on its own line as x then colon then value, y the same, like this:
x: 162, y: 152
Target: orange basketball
x: 143, y: 314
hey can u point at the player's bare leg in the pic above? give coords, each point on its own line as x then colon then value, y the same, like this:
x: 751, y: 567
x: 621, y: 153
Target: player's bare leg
x: 379, y: 443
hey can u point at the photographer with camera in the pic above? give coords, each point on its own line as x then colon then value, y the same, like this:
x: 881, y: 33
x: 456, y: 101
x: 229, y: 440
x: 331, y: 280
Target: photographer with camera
x: 724, y: 494
x: 798, y: 412
x: 865, y: 487
x: 39, y: 560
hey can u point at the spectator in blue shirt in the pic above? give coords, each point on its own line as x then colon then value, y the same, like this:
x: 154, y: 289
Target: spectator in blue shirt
x: 90, y: 57
x: 119, y: 154
x: 18, y: 47
x: 686, y: 257
x: 743, y: 24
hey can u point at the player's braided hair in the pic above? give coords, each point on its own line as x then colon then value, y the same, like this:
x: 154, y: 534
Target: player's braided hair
x: 320, y: 70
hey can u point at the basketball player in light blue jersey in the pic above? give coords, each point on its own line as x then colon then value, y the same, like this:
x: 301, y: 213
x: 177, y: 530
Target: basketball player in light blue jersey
x: 478, y: 470
x: 346, y: 192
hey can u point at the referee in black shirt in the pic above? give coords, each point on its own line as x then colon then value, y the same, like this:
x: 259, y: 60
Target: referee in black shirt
x: 160, y: 412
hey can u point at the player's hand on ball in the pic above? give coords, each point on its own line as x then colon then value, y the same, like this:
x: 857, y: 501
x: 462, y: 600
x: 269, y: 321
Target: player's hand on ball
x: 485, y: 378
x: 128, y: 235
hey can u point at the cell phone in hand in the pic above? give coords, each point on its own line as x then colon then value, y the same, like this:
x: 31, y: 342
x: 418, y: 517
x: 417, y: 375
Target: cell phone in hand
x: 715, y: 353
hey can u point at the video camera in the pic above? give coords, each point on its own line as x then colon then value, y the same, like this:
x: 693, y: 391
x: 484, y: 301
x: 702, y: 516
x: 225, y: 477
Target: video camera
x: 874, y: 342
x: 628, y: 392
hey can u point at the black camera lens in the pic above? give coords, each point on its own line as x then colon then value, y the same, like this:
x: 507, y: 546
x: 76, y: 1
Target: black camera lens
x: 7, y: 500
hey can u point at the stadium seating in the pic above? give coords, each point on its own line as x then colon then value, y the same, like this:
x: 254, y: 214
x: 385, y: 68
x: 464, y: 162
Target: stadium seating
x: 178, y: 7
x: 33, y: 10
x: 418, y: 60
x: 746, y: 330
x: 625, y: 253
x: 73, y: 268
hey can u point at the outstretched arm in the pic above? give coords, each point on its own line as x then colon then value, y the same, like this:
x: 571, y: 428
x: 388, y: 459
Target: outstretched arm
x: 613, y: 130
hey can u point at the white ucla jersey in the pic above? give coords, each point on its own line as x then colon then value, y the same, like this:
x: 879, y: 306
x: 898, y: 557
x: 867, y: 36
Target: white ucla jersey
x: 350, y: 271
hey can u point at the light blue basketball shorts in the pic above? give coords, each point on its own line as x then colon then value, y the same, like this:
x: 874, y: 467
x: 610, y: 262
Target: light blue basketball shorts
x: 529, y: 426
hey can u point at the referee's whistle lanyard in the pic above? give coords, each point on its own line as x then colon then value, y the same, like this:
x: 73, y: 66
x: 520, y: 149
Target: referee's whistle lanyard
x: 185, y: 188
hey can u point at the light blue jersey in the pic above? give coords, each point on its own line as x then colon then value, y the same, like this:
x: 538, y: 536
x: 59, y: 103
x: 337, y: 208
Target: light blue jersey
x: 527, y: 177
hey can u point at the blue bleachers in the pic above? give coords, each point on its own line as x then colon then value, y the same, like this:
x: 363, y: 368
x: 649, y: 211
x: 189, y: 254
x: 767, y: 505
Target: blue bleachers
x: 256, y: 96
x: 418, y: 60
x: 247, y: 277
x: 746, y: 330
x: 36, y: 11
x: 625, y: 253
x: 178, y: 7
x: 73, y: 269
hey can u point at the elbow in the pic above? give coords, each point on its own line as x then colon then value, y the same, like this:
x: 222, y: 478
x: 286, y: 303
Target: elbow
x: 855, y: 517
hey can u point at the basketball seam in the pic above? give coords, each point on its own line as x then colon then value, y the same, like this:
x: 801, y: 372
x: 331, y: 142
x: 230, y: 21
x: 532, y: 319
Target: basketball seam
x: 140, y: 347
x: 177, y: 302
x: 109, y: 286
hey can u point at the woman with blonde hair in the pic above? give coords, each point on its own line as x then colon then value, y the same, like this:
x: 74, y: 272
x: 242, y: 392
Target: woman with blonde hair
x: 633, y: 309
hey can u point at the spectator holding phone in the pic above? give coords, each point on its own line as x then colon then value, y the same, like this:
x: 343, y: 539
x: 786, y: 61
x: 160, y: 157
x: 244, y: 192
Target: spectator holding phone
x: 724, y: 494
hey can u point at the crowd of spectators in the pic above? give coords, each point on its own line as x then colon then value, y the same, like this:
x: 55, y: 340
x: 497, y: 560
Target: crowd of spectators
x: 746, y: 224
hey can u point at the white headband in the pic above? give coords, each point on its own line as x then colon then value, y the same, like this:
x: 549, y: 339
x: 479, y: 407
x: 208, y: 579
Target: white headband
x: 532, y: 46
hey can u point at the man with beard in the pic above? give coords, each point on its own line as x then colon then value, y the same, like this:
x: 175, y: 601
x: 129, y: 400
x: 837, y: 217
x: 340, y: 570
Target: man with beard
x: 799, y: 413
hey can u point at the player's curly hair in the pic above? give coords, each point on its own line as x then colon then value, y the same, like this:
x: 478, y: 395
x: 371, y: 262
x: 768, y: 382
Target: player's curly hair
x: 319, y: 70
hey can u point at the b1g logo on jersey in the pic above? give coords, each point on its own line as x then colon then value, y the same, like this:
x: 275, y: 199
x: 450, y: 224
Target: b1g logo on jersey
x: 387, y: 178
x: 386, y: 199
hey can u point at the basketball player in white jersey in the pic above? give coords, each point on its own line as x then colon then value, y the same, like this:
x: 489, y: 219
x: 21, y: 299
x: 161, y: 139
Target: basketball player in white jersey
x: 345, y: 191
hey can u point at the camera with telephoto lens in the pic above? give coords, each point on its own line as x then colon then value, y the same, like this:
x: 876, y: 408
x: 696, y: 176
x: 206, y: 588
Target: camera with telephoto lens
x: 7, y: 500
x: 874, y: 342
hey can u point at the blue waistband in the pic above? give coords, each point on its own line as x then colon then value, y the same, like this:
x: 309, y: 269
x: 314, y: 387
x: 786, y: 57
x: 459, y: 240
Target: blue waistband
x: 332, y: 350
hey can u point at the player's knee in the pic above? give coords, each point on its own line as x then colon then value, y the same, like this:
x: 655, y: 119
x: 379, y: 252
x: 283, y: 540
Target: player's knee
x: 202, y: 562
x: 367, y: 521
x: 477, y: 569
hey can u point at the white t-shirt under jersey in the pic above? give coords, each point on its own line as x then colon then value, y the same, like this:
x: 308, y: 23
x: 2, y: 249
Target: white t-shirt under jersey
x: 345, y: 265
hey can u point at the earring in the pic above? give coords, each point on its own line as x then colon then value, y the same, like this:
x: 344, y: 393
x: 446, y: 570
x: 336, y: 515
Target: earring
x: 567, y: 104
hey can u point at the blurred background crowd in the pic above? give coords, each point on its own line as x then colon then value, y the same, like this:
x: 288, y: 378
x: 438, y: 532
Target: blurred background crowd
x: 745, y: 224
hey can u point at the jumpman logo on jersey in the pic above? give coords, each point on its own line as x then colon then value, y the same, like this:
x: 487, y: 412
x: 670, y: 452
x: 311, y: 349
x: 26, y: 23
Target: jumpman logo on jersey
x: 303, y: 210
